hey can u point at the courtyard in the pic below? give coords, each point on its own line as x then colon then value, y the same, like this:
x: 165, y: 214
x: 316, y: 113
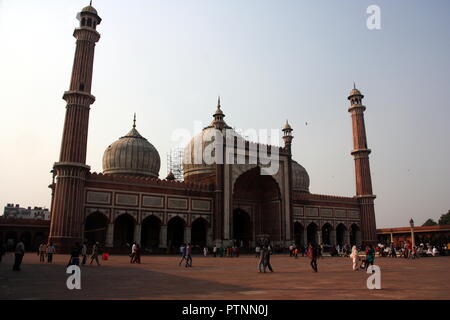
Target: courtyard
x: 160, y: 277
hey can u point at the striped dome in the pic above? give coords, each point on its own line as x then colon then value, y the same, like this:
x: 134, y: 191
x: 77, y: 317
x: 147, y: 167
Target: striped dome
x: 300, y: 178
x: 133, y: 155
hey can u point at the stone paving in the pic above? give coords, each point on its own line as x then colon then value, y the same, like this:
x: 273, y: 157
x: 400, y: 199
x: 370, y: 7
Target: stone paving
x: 160, y: 277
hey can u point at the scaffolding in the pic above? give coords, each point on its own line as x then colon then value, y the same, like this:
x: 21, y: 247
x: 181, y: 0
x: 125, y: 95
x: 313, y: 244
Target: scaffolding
x: 175, y: 163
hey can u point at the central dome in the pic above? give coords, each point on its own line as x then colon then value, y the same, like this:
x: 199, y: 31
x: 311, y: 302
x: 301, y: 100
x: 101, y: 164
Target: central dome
x: 194, y: 166
x: 133, y: 155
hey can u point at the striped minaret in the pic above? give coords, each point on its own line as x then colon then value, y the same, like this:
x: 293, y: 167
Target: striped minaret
x: 71, y: 170
x: 362, y: 169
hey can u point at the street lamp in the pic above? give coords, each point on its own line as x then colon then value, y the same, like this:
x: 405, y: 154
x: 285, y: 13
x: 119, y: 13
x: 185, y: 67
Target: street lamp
x: 411, y: 223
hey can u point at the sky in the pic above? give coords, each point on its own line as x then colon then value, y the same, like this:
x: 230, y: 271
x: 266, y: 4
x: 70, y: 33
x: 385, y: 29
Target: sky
x: 269, y: 61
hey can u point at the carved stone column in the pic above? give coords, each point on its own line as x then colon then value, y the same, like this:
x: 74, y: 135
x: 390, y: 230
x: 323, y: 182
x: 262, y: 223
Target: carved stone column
x: 163, y: 237
x: 110, y: 236
x: 137, y: 233
x: 187, y: 234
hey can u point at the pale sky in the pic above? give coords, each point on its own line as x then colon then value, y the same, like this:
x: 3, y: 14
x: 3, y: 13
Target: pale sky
x: 270, y: 61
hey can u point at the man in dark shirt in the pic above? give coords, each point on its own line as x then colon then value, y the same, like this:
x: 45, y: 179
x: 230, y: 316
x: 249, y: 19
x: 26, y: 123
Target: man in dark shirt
x: 19, y: 253
x: 75, y: 255
x: 313, y: 253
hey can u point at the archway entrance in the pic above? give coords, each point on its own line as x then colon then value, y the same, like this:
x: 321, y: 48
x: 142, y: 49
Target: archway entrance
x: 299, y: 231
x: 242, y: 228
x: 199, y: 232
x: 326, y: 234
x: 175, y: 233
x: 95, y: 228
x: 123, y: 231
x: 262, y: 194
x: 151, y: 227
x: 340, y: 235
x: 311, y: 233
x: 355, y: 235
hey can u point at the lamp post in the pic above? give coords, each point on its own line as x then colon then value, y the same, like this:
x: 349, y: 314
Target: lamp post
x: 411, y: 223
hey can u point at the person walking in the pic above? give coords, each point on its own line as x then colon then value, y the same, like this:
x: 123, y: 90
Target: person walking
x: 183, y: 253
x: 75, y: 255
x: 42, y: 252
x: 262, y: 259
x: 18, y: 256
x: 84, y: 253
x: 355, y: 258
x: 205, y: 251
x: 51, y: 250
x: 133, y: 252
x: 267, y: 258
x: 137, y: 254
x: 94, y: 256
x: 188, y: 256
x: 313, y: 254
x: 370, y: 256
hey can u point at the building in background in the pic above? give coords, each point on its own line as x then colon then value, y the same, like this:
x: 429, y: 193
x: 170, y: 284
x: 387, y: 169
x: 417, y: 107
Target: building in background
x: 14, y: 211
x: 222, y: 204
x: 435, y: 235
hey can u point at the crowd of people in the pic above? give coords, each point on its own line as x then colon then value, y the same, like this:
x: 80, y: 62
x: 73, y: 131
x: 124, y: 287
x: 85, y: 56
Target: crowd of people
x: 361, y: 258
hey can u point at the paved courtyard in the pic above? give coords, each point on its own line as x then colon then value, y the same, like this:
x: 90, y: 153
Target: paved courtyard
x: 160, y: 277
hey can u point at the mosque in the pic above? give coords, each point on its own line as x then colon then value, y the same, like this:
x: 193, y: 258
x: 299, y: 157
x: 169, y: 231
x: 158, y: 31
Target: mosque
x: 216, y: 204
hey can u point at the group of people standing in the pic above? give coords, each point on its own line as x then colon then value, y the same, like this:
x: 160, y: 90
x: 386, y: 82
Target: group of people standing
x: 46, y: 251
x: 226, y: 252
x: 82, y: 250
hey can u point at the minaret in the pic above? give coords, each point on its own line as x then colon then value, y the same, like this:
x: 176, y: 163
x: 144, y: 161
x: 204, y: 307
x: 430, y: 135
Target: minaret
x: 362, y: 169
x: 287, y: 136
x: 71, y: 170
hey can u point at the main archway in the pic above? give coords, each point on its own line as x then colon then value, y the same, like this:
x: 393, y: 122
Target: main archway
x: 95, y: 228
x: 262, y: 194
x: 242, y: 228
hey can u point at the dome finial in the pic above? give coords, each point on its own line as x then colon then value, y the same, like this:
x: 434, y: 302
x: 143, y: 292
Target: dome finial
x: 134, y: 121
x: 354, y: 85
x: 218, y: 103
x: 90, y: 3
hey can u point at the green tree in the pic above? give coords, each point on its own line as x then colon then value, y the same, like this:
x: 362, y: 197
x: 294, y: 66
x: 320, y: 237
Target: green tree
x: 429, y: 223
x: 445, y: 219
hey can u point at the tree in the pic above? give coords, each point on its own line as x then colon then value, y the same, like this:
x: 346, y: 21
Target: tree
x: 445, y: 219
x: 429, y: 223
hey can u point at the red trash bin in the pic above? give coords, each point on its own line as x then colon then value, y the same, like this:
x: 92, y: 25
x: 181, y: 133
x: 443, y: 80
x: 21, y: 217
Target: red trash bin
x: 105, y: 256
